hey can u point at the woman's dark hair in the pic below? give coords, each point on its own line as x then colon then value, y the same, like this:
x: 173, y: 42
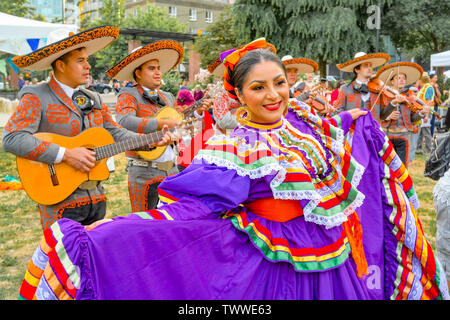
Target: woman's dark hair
x: 246, y: 63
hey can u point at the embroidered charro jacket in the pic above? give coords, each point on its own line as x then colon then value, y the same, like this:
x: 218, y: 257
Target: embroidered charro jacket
x: 349, y: 98
x: 136, y: 113
x: 405, y: 123
x: 47, y: 108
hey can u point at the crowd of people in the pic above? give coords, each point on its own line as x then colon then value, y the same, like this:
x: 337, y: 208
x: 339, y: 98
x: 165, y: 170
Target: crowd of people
x: 291, y: 195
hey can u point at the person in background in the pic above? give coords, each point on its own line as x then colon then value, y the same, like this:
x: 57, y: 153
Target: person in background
x: 198, y: 93
x: 21, y: 82
x: 184, y: 99
x: 441, y: 199
x: 426, y: 94
x: 399, y: 125
x: 437, y: 100
x: 137, y: 108
x: 335, y: 92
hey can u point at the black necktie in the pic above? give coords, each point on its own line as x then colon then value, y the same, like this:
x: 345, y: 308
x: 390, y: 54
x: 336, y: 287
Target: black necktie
x: 361, y: 88
x: 154, y: 97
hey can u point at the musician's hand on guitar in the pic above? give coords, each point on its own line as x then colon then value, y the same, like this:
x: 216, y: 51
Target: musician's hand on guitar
x: 167, y: 139
x: 80, y: 158
x: 310, y: 99
x: 167, y: 122
x: 328, y: 108
x: 206, y: 105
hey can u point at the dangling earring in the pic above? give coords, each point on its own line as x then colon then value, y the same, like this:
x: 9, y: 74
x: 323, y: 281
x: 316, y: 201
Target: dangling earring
x: 243, y: 115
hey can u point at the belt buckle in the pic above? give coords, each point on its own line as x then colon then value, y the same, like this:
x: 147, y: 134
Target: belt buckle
x: 164, y: 166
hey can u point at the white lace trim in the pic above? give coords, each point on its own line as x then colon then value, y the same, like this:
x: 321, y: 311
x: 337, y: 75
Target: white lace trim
x: 441, y: 191
x: 260, y: 172
x: 336, y: 144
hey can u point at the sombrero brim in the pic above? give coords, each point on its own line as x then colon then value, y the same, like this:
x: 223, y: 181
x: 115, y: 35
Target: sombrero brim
x: 377, y: 59
x: 217, y: 68
x: 411, y: 70
x: 303, y: 65
x: 93, y: 40
x: 169, y: 54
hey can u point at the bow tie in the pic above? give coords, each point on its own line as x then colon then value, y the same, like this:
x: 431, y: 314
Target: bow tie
x: 361, y: 88
x: 82, y: 101
x: 154, y: 97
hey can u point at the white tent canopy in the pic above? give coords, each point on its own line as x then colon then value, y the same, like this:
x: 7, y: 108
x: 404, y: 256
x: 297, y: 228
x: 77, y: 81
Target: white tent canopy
x: 14, y: 32
x: 441, y: 59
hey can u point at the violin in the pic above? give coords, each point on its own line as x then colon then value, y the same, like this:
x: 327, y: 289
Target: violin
x: 415, y: 104
x: 319, y: 102
x: 375, y: 85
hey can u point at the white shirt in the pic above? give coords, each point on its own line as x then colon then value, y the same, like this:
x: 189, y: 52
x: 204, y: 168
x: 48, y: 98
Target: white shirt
x: 69, y: 91
x: 169, y: 154
x: 366, y: 96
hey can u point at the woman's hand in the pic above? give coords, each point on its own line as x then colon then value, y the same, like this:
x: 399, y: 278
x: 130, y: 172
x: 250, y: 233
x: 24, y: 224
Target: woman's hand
x: 96, y: 224
x: 356, y: 113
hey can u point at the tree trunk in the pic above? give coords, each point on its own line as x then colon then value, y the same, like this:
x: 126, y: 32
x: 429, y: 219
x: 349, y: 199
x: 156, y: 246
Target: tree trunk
x: 322, y: 67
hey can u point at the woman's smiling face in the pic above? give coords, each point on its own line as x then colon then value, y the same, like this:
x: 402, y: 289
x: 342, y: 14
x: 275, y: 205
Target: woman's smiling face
x: 265, y: 92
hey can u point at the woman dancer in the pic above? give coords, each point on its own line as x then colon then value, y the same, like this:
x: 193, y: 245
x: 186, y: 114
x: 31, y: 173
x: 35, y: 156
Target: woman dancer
x: 281, y: 209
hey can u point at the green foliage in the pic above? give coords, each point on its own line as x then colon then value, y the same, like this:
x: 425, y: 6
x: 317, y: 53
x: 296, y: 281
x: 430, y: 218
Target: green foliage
x: 220, y: 36
x: 329, y: 31
x: 148, y: 17
x: 172, y: 81
x: 419, y: 28
x: 19, y: 8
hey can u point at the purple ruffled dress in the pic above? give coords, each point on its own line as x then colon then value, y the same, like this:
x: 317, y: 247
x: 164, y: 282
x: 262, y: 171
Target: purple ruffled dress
x: 203, y: 243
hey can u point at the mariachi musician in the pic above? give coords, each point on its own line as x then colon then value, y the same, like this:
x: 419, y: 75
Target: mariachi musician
x: 136, y: 108
x: 294, y: 67
x: 356, y: 94
x: 302, y: 91
x: 61, y: 106
x: 399, y: 125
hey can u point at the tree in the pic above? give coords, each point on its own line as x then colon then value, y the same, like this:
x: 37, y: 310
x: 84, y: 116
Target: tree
x: 419, y: 28
x: 19, y: 8
x: 328, y: 31
x: 148, y: 17
x: 219, y: 36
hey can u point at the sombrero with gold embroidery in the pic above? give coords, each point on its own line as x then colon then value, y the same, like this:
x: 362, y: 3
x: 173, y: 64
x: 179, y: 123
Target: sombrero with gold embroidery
x: 411, y: 70
x: 61, y: 42
x: 169, y: 53
x: 377, y: 59
x: 303, y: 65
x: 217, y: 68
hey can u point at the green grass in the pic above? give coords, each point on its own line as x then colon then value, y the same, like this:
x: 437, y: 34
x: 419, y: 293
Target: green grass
x: 20, y: 228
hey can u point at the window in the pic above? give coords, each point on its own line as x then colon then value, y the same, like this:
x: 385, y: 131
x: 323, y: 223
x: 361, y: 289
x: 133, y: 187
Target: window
x: 172, y: 11
x: 192, y: 14
x: 209, y: 16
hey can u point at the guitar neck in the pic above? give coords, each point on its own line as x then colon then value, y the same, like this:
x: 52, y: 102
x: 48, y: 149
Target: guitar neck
x: 194, y: 106
x: 110, y: 150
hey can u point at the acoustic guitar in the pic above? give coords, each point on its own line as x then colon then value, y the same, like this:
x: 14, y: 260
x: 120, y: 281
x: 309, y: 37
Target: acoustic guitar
x: 163, y: 113
x: 48, y: 184
x: 172, y: 113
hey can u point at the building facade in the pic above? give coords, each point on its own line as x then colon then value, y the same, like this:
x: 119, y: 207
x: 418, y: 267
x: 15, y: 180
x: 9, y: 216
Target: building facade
x: 196, y: 14
x: 59, y: 11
